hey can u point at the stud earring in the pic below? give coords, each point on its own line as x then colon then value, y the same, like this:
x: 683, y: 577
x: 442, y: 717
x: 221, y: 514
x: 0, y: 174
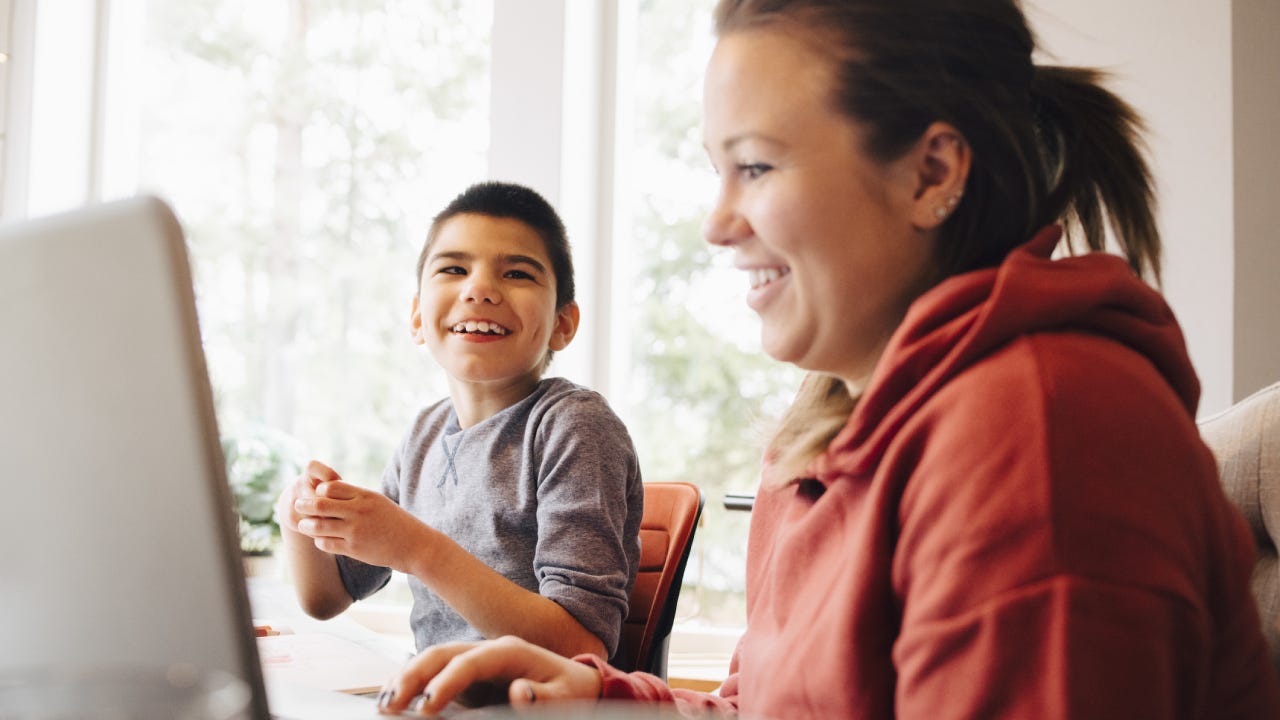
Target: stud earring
x: 940, y: 212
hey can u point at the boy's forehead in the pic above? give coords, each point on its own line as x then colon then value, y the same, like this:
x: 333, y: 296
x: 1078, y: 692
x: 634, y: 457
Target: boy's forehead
x: 479, y: 235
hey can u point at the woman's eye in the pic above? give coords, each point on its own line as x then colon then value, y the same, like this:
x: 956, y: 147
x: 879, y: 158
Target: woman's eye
x: 751, y: 171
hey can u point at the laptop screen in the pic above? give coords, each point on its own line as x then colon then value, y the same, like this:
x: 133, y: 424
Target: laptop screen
x: 119, y: 534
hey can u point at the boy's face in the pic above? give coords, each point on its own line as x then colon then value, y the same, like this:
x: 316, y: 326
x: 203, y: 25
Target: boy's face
x: 486, y: 305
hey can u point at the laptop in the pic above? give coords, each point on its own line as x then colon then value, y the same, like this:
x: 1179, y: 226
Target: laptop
x: 120, y: 544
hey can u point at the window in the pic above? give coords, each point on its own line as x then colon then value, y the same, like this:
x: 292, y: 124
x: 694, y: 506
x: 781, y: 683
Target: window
x: 695, y: 390
x: 305, y: 146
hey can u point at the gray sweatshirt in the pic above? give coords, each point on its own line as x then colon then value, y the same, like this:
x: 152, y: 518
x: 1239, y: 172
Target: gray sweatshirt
x: 547, y: 492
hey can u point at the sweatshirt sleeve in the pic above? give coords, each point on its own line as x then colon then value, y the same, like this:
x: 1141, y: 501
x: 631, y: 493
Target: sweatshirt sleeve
x: 643, y: 687
x: 590, y: 501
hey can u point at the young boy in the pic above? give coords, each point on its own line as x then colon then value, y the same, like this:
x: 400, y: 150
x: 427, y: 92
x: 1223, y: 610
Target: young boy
x: 514, y: 505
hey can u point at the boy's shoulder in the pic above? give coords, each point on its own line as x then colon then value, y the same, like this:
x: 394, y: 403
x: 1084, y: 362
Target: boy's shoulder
x: 560, y: 395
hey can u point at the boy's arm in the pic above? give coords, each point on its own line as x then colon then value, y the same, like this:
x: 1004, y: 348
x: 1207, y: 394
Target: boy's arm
x: 315, y: 572
x: 494, y: 605
x: 367, y: 526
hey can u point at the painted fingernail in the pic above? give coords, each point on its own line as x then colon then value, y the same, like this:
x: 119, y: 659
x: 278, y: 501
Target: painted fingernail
x: 385, y: 697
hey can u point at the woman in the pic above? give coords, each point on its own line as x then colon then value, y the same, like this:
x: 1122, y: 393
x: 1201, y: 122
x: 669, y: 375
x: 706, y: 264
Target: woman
x: 990, y: 498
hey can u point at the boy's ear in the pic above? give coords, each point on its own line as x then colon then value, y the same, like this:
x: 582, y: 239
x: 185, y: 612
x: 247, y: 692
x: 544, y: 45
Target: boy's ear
x: 565, y: 328
x: 415, y: 323
x: 941, y: 158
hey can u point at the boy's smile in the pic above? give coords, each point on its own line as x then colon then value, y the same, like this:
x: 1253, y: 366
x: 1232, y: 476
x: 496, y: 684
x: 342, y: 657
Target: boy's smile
x: 486, y: 307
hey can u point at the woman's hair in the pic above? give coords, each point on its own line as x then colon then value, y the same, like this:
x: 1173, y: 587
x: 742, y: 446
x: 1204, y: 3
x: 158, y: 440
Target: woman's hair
x: 1049, y: 143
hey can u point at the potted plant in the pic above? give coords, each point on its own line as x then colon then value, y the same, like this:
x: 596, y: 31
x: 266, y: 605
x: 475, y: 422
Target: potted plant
x: 260, y: 461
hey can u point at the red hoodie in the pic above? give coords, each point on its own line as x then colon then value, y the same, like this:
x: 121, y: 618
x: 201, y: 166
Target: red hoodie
x: 1019, y: 521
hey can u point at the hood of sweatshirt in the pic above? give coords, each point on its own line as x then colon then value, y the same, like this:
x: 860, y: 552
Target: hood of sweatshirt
x: 967, y: 317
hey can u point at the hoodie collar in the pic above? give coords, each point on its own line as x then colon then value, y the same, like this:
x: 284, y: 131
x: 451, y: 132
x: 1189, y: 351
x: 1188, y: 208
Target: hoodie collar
x: 967, y: 317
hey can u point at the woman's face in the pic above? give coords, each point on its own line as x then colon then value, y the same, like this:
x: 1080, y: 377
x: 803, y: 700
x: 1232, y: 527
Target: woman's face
x: 824, y: 233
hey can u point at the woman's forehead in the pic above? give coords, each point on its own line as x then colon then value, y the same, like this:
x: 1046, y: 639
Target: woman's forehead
x: 762, y: 77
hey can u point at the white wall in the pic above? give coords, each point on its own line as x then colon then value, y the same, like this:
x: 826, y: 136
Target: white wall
x: 1176, y: 62
x: 1256, y: 94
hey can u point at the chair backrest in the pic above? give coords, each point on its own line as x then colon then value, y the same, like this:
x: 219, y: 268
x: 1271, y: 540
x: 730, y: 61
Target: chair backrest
x: 671, y: 512
x: 1245, y: 440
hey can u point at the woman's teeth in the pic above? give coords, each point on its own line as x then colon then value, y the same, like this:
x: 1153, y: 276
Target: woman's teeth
x: 480, y: 326
x: 761, y: 277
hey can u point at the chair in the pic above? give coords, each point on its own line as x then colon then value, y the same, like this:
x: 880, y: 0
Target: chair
x: 671, y: 513
x: 1245, y: 440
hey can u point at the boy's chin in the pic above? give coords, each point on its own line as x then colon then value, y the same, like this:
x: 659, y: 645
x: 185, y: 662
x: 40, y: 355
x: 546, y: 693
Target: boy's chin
x: 495, y: 377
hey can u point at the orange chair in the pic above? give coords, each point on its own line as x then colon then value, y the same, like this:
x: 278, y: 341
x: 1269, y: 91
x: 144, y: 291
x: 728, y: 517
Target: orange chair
x: 671, y: 512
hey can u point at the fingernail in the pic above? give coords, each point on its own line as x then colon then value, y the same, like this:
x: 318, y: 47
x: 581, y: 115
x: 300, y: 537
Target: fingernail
x: 418, y: 702
x: 529, y: 687
x: 385, y: 697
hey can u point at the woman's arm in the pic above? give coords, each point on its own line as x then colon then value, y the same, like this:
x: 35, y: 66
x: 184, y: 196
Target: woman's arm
x: 533, y: 675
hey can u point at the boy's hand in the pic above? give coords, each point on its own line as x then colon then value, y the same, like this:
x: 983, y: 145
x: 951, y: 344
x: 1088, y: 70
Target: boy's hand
x: 304, y: 486
x: 365, y: 525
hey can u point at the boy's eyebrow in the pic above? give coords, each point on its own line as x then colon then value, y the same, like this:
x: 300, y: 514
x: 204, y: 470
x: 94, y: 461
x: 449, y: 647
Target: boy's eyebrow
x: 513, y: 259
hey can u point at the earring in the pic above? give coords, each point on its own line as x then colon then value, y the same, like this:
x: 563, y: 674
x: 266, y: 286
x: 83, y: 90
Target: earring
x: 942, y: 211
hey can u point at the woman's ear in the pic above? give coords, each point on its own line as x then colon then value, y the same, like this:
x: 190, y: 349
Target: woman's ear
x: 942, y: 158
x: 415, y: 323
x: 565, y: 328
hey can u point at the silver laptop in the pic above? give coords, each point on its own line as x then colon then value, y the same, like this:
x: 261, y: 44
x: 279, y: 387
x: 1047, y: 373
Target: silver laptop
x: 119, y: 537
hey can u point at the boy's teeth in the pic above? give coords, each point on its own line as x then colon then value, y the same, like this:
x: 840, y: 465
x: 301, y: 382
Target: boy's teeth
x: 480, y: 326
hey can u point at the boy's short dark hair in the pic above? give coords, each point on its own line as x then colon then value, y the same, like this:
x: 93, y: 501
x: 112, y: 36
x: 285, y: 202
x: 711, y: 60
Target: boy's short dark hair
x: 516, y: 202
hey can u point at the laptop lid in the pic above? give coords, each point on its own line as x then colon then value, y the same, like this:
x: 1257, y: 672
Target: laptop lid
x: 119, y: 538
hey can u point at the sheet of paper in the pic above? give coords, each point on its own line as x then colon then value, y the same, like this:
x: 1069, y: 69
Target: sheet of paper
x: 324, y: 662
x: 289, y: 701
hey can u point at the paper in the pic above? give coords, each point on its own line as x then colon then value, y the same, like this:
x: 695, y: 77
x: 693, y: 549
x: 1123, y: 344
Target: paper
x: 324, y: 662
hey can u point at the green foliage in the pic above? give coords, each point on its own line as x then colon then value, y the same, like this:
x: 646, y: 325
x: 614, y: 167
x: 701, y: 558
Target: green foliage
x: 316, y: 140
x: 260, y: 462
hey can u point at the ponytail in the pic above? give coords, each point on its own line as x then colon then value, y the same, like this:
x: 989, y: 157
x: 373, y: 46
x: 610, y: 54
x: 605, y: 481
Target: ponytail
x: 1095, y: 168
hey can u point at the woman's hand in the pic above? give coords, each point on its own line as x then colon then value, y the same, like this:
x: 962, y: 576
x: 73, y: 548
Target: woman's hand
x: 444, y: 673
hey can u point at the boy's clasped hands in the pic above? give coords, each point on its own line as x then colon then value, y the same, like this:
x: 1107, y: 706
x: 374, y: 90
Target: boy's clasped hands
x: 346, y: 519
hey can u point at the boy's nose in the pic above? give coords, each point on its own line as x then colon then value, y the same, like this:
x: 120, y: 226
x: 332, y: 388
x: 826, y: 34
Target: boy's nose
x: 478, y: 289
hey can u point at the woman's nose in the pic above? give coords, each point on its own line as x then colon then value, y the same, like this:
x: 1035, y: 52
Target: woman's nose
x: 724, y: 226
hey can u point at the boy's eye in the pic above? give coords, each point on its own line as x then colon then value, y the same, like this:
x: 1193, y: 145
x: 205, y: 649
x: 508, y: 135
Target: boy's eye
x: 451, y: 270
x: 519, y: 275
x: 751, y: 171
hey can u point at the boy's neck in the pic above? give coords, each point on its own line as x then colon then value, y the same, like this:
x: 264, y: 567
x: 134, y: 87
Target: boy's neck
x: 476, y: 402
